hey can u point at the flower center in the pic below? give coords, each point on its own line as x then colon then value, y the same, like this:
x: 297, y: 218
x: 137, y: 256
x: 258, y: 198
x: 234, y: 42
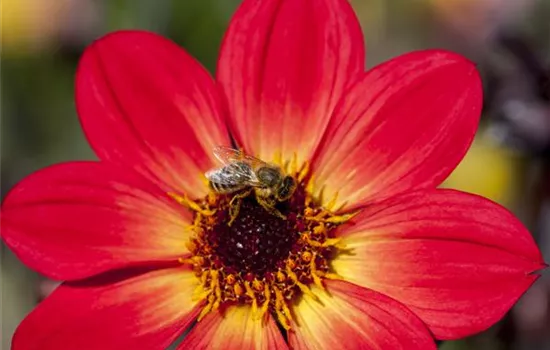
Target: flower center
x: 256, y: 241
x: 257, y: 257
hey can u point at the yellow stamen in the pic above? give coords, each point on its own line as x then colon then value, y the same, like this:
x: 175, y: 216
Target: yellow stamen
x: 319, y: 217
x: 300, y: 285
x: 320, y: 229
x: 230, y: 279
x: 195, y: 260
x: 191, y: 246
x: 306, y: 256
x: 217, y: 303
x: 330, y: 242
x: 196, y: 225
x: 314, y: 273
x: 335, y: 219
x: 201, y: 291
x: 280, y: 276
x: 331, y: 275
x: 286, y: 311
x: 207, y: 308
x: 189, y: 203
x: 310, y: 185
x: 284, y: 319
x: 200, y: 294
x: 303, y: 173
x: 265, y: 305
x: 257, y: 285
x: 290, y: 264
x: 204, y: 277
x: 308, y: 212
x: 250, y: 293
x: 340, y: 219
x: 215, y: 283
x: 330, y: 205
x: 238, y: 289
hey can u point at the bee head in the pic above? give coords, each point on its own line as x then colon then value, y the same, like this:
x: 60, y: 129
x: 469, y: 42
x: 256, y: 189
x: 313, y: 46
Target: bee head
x: 288, y: 185
x: 269, y: 176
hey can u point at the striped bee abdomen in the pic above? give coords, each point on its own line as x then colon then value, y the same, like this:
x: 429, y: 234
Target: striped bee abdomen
x: 230, y: 178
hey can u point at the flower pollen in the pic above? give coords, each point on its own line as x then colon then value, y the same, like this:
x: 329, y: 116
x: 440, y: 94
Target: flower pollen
x: 259, y: 258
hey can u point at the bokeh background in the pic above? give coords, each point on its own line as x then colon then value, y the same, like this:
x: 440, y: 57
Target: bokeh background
x: 509, y: 161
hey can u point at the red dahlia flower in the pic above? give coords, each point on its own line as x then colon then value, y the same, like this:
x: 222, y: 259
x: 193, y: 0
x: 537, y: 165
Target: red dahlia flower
x: 366, y: 253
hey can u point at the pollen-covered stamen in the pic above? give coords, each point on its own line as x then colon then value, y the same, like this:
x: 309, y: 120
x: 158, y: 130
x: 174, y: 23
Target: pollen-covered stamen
x: 261, y: 259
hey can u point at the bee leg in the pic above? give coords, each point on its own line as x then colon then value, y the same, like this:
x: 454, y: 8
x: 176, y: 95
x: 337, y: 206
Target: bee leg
x: 269, y: 205
x: 235, y: 205
x: 234, y: 210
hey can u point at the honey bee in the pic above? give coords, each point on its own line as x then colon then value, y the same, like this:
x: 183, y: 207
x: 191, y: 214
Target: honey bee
x: 241, y: 171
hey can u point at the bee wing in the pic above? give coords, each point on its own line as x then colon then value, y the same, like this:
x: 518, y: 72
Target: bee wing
x: 233, y: 174
x: 228, y: 155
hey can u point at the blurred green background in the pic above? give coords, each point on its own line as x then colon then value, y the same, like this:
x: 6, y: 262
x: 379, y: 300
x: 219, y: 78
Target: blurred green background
x: 509, y: 161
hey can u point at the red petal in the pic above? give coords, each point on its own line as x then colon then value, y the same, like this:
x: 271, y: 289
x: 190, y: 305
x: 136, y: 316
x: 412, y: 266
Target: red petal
x: 146, y: 104
x: 74, y: 220
x: 144, y: 312
x: 405, y: 125
x: 457, y: 260
x: 352, y: 317
x: 234, y: 329
x: 283, y: 66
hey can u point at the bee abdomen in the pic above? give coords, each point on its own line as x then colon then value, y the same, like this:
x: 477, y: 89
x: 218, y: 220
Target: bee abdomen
x: 224, y: 188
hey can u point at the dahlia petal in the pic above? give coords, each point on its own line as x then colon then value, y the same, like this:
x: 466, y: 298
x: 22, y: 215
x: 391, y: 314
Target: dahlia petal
x: 77, y: 219
x: 145, y: 312
x: 457, y: 260
x: 234, y: 328
x: 146, y: 104
x: 351, y: 317
x: 404, y: 125
x: 283, y: 66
